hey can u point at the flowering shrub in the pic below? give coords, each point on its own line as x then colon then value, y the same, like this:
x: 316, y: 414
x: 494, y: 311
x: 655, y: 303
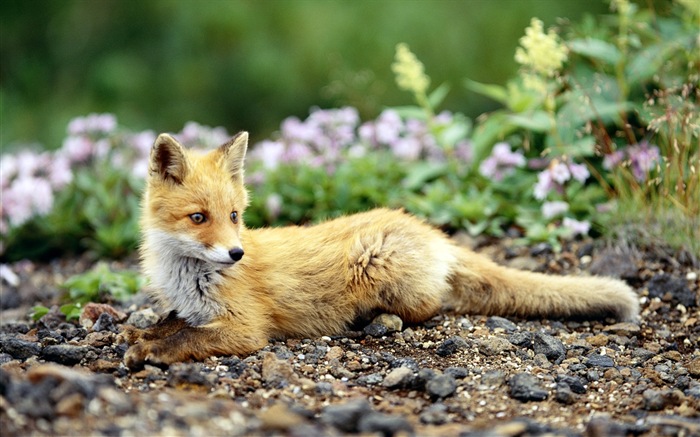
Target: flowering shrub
x: 83, y: 196
x: 602, y: 115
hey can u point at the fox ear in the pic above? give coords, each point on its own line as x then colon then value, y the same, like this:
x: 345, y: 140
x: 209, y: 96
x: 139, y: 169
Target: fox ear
x: 168, y: 159
x: 234, y: 153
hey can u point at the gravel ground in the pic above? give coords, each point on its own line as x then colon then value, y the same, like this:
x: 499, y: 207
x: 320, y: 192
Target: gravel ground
x: 454, y: 375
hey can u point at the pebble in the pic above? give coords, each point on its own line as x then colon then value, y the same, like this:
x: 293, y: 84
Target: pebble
x: 142, y: 319
x: 277, y: 373
x: 627, y: 329
x: 64, y: 353
x: 576, y: 384
x: 392, y: 322
x: 495, y: 322
x: 92, y: 311
x: 105, y: 322
x: 384, y: 424
x: 495, y: 346
x: 441, y: 386
x: 375, y: 330
x: 18, y: 348
x: 597, y: 360
x: 673, y: 289
x: 346, y: 417
x: 451, y: 346
x: 399, y: 377
x: 551, y: 347
x: 563, y: 394
x: 694, y: 368
x: 526, y: 387
x: 279, y: 418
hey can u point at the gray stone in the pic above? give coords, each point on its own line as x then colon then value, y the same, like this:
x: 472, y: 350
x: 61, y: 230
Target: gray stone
x: 526, y: 387
x: 597, y: 360
x: 142, y: 319
x: 375, y: 330
x: 383, y: 424
x: 441, y: 386
x: 496, y: 322
x: 550, y: 347
x: 64, y: 353
x: 451, y: 346
x: 392, y: 322
x: 495, y: 346
x: 20, y: 349
x: 398, y: 378
x: 346, y: 417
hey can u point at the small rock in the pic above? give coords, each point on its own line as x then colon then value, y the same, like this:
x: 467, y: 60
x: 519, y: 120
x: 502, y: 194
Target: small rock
x: 627, y: 329
x: 398, y: 378
x: 597, y: 360
x: 598, y: 340
x: 451, y: 346
x: 576, y: 384
x: 371, y: 379
x: 496, y: 322
x: 457, y: 372
x: 521, y: 339
x: 384, y: 424
x: 279, y: 418
x: 336, y: 352
x: 551, y: 347
x: 189, y: 375
x: 435, y: 414
x: 142, y: 319
x: 105, y: 322
x: 92, y: 311
x: 375, y: 330
x: 526, y: 387
x: 392, y: 322
x: 346, y: 417
x: 277, y: 373
x: 493, y: 378
x: 656, y: 400
x: 441, y: 386
x: 665, y: 286
x: 564, y: 395
x: 495, y: 346
x: 19, y: 349
x: 694, y: 368
x: 64, y: 353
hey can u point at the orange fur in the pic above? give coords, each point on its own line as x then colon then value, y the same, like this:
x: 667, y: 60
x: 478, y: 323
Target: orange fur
x: 313, y: 281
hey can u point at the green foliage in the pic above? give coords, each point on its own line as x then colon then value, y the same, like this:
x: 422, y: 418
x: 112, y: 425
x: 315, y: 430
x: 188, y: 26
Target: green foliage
x: 101, y: 283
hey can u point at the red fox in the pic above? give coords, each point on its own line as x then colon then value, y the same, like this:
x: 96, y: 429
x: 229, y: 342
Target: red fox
x: 229, y: 289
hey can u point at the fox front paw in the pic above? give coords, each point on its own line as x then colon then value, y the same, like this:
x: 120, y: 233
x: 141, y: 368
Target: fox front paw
x: 130, y: 335
x: 144, y: 353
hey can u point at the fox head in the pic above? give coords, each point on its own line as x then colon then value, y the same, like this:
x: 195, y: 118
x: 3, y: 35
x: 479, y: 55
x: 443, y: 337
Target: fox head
x: 194, y: 202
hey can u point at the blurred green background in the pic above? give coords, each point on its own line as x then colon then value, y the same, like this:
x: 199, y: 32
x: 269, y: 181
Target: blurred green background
x: 244, y: 64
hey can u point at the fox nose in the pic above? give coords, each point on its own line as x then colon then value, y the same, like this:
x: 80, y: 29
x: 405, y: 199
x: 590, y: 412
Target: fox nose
x: 236, y: 253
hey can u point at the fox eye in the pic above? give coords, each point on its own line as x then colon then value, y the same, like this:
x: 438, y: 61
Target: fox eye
x: 198, y: 218
x: 234, y: 217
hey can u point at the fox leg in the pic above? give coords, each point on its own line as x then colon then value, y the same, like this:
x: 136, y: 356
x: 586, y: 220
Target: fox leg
x: 198, y: 343
x: 392, y: 274
x: 165, y: 327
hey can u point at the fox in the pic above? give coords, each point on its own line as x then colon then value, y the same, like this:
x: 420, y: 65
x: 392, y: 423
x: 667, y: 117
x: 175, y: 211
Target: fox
x: 225, y: 289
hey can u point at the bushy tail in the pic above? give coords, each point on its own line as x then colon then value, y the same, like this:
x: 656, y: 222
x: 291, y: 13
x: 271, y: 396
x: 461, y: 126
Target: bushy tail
x: 481, y: 286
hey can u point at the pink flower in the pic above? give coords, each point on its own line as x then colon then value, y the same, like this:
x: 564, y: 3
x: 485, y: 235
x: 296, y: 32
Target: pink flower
x: 501, y: 162
x: 78, y: 148
x: 613, y: 160
x: 553, y: 209
x: 544, y: 185
x: 408, y: 148
x: 576, y: 227
x: 560, y: 172
x: 579, y: 172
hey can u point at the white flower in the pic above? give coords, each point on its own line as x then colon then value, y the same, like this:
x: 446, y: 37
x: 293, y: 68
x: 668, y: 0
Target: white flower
x: 553, y: 209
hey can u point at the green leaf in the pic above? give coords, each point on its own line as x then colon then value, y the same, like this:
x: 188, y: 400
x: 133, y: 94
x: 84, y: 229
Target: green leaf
x: 423, y: 172
x: 597, y: 49
x: 71, y: 310
x: 536, y: 121
x: 438, y: 95
x: 495, y: 92
x: 38, y: 312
